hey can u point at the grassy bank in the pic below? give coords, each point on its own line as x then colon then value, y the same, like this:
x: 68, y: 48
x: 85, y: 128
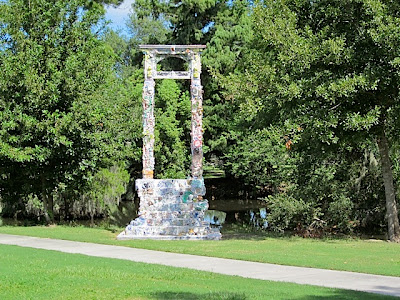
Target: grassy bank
x: 40, y: 274
x: 374, y: 257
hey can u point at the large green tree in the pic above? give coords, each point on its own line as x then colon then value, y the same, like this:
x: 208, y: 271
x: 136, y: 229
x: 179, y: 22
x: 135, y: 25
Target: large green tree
x: 231, y: 35
x: 332, y: 67
x: 53, y: 67
x: 188, y: 21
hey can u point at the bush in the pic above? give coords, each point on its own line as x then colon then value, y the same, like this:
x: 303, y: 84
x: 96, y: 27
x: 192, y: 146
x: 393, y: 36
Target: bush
x: 286, y: 212
x: 339, y: 214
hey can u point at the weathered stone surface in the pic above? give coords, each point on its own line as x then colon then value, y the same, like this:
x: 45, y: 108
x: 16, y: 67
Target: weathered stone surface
x: 190, y: 54
x: 171, y: 209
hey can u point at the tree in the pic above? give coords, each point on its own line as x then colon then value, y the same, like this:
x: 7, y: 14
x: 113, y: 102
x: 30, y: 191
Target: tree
x: 104, y: 192
x: 333, y: 68
x: 230, y: 36
x: 49, y: 57
x: 188, y: 21
x: 172, y: 125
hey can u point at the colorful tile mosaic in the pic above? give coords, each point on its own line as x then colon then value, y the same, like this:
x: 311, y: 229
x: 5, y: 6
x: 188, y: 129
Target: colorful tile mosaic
x: 172, y: 208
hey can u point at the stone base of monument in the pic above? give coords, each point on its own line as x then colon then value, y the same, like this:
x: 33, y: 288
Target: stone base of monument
x: 171, y: 209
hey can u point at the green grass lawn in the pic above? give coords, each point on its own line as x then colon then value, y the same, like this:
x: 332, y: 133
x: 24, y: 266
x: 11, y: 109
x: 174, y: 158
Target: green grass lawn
x: 375, y: 257
x: 27, y: 273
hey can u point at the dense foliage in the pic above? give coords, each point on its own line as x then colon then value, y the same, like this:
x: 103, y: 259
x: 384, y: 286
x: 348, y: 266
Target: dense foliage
x: 329, y: 67
x: 301, y: 103
x: 57, y: 127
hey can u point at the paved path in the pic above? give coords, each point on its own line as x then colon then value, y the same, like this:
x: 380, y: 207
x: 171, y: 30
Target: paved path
x: 335, y: 279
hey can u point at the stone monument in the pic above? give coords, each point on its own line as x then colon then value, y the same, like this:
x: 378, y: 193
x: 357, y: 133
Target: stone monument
x: 171, y: 208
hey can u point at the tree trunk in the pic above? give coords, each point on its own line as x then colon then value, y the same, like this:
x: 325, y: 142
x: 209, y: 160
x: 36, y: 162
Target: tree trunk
x: 47, y: 203
x: 91, y: 211
x: 46, y: 208
x: 66, y: 207
x: 387, y: 174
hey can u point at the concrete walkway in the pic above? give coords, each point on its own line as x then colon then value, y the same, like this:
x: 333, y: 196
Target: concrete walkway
x: 335, y: 279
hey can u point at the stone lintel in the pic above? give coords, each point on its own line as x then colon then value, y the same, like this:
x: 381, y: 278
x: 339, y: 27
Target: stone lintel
x: 161, y: 50
x: 172, y: 75
x: 172, y: 47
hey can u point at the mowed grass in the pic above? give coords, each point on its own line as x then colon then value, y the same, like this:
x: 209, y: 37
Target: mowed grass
x: 374, y: 257
x: 27, y: 273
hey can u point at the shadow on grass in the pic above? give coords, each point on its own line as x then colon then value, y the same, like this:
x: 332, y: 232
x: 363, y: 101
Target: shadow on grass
x: 243, y: 236
x: 237, y: 232
x: 191, y: 296
x: 334, y: 295
x: 245, y: 232
x: 345, y: 295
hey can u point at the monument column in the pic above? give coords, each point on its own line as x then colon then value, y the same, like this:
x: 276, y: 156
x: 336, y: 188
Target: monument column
x: 196, y: 90
x: 148, y: 117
